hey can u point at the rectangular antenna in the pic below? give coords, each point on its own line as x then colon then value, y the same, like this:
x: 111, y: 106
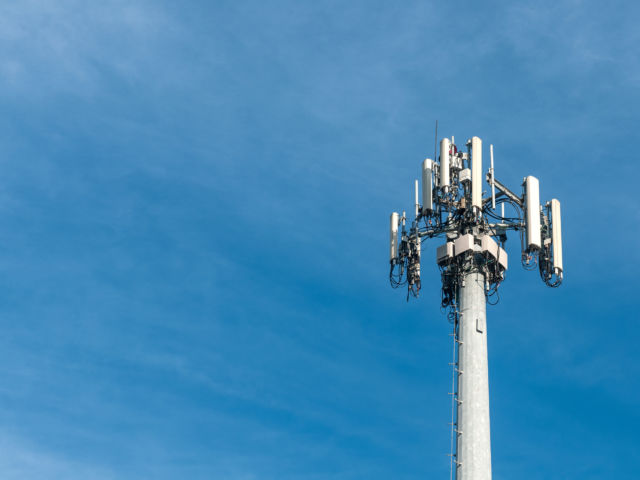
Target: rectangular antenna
x: 444, y: 163
x: 417, y: 202
x: 493, y: 183
x: 476, y: 173
x: 556, y: 237
x: 393, y: 240
x: 532, y: 207
x: 427, y: 186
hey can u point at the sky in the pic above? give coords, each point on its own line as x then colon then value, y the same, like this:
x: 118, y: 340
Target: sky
x: 194, y: 205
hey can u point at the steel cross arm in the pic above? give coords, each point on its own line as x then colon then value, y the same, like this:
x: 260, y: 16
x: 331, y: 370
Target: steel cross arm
x: 436, y: 231
x: 507, y: 226
x: 504, y: 190
x: 487, y: 201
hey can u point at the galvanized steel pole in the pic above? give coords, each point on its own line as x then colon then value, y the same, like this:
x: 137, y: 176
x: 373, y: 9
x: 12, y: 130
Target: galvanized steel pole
x: 473, y: 434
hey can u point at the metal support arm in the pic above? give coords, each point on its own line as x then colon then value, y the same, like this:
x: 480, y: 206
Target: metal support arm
x: 508, y: 193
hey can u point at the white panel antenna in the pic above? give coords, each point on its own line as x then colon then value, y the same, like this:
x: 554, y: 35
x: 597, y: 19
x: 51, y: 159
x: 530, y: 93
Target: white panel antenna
x: 393, y: 240
x: 417, y: 201
x: 444, y: 253
x: 445, y: 147
x: 476, y: 173
x: 556, y: 237
x: 427, y: 186
x: 463, y: 243
x: 532, y: 207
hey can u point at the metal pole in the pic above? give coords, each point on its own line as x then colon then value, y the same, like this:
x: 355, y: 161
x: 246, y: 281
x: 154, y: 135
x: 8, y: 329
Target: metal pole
x: 473, y: 444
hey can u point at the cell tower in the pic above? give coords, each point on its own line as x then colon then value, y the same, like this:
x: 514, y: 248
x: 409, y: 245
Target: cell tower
x: 472, y: 263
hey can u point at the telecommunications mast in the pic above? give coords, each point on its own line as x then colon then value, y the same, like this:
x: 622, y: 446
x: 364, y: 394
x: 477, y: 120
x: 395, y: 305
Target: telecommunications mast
x: 472, y: 263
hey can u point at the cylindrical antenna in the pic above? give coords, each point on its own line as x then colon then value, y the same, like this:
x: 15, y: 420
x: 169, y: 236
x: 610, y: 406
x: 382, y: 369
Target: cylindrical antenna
x: 444, y: 164
x: 476, y: 173
x: 532, y: 213
x: 493, y: 184
x: 502, y: 210
x: 556, y: 237
x: 393, y: 241
x: 417, y: 201
x: 427, y: 186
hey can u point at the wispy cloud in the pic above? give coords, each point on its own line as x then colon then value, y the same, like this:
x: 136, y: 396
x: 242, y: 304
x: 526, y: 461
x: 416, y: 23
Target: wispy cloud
x: 68, y: 47
x: 20, y: 459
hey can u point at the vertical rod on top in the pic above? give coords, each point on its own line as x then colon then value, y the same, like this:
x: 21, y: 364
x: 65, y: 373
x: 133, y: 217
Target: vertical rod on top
x: 417, y: 201
x: 493, y: 185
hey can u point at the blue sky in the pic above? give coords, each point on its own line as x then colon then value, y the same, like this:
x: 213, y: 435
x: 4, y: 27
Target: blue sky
x: 194, y: 205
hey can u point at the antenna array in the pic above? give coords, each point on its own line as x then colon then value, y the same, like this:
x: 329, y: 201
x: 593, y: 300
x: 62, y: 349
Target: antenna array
x: 453, y: 207
x: 473, y: 263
